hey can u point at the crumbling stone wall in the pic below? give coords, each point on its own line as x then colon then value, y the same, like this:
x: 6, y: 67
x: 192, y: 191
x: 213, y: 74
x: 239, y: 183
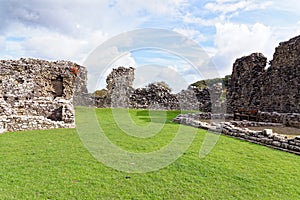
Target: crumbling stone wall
x: 120, y: 93
x: 154, y: 96
x: 276, y: 88
x: 38, y: 94
x: 119, y: 87
x: 194, y: 98
x: 281, y: 88
x: 244, y: 89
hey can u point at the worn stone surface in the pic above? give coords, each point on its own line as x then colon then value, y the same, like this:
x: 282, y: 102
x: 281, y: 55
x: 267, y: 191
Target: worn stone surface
x: 276, y: 88
x: 38, y: 94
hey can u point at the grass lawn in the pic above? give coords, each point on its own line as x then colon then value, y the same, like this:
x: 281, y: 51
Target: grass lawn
x: 54, y: 164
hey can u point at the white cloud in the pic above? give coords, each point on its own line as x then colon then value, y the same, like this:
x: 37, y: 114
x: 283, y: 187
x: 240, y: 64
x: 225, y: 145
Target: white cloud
x: 156, y: 73
x: 292, y: 7
x: 229, y: 6
x: 47, y: 44
x: 157, y: 7
x: 2, y: 42
x: 191, y: 33
x: 191, y: 19
x: 71, y: 29
x: 237, y: 40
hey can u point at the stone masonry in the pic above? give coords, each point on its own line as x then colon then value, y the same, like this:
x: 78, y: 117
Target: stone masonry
x: 38, y: 94
x: 276, y: 88
x: 235, y: 129
x: 245, y: 84
x: 119, y: 87
x: 120, y: 93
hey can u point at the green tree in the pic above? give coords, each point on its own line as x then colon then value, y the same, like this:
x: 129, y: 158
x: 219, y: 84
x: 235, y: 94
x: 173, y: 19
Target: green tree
x: 100, y: 93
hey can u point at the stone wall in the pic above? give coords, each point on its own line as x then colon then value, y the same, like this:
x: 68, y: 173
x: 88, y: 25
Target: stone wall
x: 265, y: 137
x: 119, y: 87
x: 276, y: 88
x: 244, y: 89
x: 281, y: 88
x: 38, y: 94
x: 156, y: 95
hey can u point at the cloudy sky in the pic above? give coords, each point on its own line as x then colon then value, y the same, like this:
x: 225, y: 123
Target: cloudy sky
x: 72, y: 29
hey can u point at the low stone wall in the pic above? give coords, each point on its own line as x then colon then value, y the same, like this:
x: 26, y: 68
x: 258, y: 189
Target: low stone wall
x: 25, y: 122
x: 265, y: 137
x: 287, y: 119
x: 206, y: 116
x: 265, y: 118
x: 25, y: 115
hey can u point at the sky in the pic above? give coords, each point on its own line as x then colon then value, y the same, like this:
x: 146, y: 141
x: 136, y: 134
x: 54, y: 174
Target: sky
x: 73, y: 29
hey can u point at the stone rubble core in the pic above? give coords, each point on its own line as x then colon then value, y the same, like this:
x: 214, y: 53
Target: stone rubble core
x: 276, y: 88
x: 235, y: 129
x: 38, y: 94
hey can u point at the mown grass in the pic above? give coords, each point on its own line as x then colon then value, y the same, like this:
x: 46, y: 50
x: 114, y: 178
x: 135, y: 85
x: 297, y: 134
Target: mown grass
x: 54, y: 164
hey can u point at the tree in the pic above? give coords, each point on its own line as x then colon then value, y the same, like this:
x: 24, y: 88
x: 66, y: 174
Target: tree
x: 100, y: 93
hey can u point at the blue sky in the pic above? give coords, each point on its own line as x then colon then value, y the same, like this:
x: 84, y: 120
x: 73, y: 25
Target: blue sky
x: 72, y: 29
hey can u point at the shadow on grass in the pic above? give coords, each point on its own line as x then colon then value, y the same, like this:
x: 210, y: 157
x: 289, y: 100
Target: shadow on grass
x: 157, y: 116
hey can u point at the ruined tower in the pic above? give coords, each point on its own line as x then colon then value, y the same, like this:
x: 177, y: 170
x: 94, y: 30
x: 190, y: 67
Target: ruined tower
x: 276, y: 88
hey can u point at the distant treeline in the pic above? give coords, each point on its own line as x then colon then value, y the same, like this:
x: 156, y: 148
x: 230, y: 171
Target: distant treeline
x: 204, y: 83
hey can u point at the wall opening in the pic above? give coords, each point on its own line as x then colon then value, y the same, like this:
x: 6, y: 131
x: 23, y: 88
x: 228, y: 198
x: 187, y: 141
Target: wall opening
x: 58, y: 86
x: 56, y: 115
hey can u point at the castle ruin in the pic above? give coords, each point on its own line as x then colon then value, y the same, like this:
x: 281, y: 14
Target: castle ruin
x: 38, y: 94
x: 120, y: 93
x: 276, y: 88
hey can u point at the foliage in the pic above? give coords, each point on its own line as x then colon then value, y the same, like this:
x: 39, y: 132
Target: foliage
x: 100, y: 93
x: 54, y: 164
x: 226, y: 80
x: 202, y: 84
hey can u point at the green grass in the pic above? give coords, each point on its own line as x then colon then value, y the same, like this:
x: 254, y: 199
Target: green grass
x: 54, y: 164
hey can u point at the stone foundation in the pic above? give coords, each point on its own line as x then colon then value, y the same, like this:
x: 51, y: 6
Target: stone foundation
x: 234, y: 129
